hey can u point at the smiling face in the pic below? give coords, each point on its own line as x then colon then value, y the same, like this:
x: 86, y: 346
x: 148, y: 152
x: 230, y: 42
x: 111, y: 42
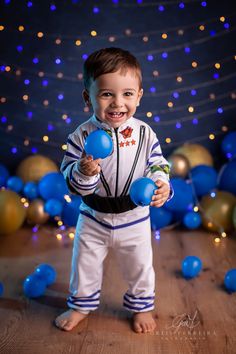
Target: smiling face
x: 114, y: 96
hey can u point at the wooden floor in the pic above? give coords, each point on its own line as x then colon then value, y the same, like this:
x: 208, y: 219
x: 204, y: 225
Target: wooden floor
x: 195, y: 316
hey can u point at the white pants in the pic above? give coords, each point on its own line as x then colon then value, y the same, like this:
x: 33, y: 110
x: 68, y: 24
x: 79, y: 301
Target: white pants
x: 131, y: 242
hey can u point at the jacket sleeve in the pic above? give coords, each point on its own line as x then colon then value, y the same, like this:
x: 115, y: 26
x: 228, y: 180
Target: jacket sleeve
x: 77, y: 182
x: 157, y: 167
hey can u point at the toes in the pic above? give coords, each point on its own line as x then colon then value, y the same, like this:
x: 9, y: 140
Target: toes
x: 145, y: 328
x: 68, y: 326
x: 138, y: 328
x: 60, y: 323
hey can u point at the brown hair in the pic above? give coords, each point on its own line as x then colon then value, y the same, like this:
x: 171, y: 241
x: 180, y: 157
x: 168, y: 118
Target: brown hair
x: 109, y: 60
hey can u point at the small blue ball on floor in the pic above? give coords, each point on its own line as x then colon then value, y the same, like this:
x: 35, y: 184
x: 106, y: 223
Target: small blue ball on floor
x: 230, y: 280
x: 34, y: 286
x: 191, y: 266
x: 46, y: 272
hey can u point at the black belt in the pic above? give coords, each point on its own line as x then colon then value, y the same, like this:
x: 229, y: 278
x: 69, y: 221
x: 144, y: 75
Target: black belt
x: 114, y: 205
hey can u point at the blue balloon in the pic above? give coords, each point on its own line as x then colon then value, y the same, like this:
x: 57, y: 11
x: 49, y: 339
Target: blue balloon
x: 160, y: 217
x: 15, y: 184
x: 230, y: 280
x: 191, y: 266
x: 46, y: 272
x: 183, y: 196
x: 98, y: 144
x: 192, y: 220
x: 53, y: 207
x: 204, y: 179
x: 4, y: 175
x: 1, y: 289
x: 227, y: 177
x: 142, y: 190
x: 30, y: 190
x: 228, y: 145
x: 34, y: 286
x: 53, y: 185
x: 70, y: 212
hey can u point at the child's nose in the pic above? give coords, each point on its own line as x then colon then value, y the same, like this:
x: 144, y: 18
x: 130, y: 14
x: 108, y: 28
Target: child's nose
x: 117, y: 102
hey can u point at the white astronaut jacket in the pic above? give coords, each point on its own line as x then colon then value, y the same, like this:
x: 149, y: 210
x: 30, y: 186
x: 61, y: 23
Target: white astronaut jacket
x: 136, y: 153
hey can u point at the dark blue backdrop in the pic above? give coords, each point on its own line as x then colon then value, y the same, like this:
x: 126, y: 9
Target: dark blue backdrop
x: 186, y: 49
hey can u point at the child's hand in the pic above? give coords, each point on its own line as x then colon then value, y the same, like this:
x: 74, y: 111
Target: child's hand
x: 161, y: 194
x: 88, y: 166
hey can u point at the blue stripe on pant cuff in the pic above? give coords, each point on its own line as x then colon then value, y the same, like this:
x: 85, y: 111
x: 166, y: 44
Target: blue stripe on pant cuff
x: 139, y: 309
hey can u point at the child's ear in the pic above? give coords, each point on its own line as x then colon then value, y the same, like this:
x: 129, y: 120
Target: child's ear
x: 140, y: 95
x: 86, y: 98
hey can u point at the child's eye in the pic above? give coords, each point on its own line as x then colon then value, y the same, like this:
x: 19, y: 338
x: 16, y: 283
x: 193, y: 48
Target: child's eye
x: 106, y: 94
x: 128, y: 93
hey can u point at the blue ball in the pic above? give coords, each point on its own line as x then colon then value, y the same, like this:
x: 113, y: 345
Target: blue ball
x: 47, y: 273
x: 183, y: 196
x: 30, y: 190
x: 160, y: 217
x: 34, y: 286
x: 4, y: 175
x: 192, y: 220
x: 98, y: 144
x: 53, y: 185
x: 204, y: 179
x: 142, y: 190
x: 15, y: 184
x: 1, y: 289
x: 53, y: 207
x: 191, y: 266
x: 70, y: 211
x: 227, y: 177
x: 230, y: 280
x: 228, y: 144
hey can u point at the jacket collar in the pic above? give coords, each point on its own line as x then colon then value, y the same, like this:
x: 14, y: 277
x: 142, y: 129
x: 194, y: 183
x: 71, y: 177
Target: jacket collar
x: 104, y: 125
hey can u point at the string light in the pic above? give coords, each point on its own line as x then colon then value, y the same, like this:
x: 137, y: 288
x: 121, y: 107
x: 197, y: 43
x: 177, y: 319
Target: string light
x: 45, y: 138
x: 59, y: 237
x: 78, y: 42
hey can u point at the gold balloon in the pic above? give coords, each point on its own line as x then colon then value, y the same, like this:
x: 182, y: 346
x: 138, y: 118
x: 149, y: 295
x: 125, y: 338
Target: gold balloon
x: 217, y: 212
x: 36, y: 213
x: 196, y: 154
x: 179, y: 165
x: 12, y: 211
x: 34, y: 167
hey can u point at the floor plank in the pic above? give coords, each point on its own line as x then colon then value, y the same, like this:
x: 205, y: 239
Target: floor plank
x: 194, y: 316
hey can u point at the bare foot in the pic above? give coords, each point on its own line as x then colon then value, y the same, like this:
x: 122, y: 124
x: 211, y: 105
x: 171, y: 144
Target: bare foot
x: 69, y: 319
x: 144, y: 322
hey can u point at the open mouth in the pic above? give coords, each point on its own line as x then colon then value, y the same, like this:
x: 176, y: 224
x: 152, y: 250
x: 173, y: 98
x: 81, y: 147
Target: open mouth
x: 116, y: 115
